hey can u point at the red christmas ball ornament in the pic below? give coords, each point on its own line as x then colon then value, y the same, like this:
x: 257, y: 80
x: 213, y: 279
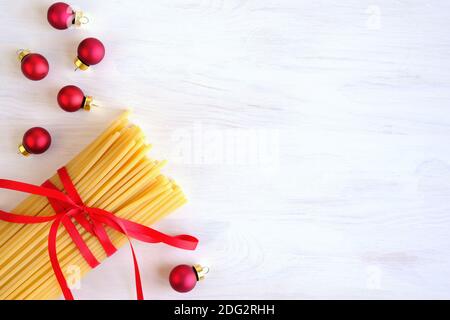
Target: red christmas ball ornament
x: 90, y: 51
x: 34, y: 65
x: 35, y: 141
x: 71, y: 99
x: 183, y: 277
x: 61, y: 16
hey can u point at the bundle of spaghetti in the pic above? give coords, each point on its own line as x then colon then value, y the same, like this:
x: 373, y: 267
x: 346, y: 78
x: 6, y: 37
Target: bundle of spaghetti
x: 113, y: 173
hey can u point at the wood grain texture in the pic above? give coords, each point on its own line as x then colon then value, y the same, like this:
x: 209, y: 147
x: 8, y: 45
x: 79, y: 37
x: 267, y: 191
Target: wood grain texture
x: 310, y: 136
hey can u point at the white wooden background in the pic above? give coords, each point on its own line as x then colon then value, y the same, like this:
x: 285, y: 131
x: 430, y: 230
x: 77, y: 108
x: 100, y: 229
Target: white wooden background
x: 339, y: 184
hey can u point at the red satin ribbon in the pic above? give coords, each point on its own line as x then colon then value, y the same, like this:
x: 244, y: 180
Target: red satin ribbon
x: 69, y: 207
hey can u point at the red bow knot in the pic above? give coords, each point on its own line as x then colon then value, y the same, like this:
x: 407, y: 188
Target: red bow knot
x: 69, y: 207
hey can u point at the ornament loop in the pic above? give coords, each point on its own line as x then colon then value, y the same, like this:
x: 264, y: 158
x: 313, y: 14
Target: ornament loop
x: 84, y: 20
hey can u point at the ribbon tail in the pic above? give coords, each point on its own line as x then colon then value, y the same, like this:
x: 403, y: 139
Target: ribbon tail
x: 54, y: 260
x: 144, y: 233
x: 137, y: 274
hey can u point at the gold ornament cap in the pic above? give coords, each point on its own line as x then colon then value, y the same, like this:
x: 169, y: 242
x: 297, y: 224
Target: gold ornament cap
x: 80, y: 65
x: 22, y: 53
x: 200, y: 271
x: 80, y: 18
x: 87, y: 103
x: 23, y: 151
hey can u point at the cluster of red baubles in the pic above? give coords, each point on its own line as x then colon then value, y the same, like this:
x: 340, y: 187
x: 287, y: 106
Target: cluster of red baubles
x: 37, y: 140
x: 61, y: 16
x: 35, y: 67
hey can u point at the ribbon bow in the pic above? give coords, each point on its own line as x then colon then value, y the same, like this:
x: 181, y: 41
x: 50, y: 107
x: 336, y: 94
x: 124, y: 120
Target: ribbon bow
x: 69, y: 206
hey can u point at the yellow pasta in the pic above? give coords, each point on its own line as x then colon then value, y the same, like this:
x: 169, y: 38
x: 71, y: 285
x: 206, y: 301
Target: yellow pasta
x: 112, y: 173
